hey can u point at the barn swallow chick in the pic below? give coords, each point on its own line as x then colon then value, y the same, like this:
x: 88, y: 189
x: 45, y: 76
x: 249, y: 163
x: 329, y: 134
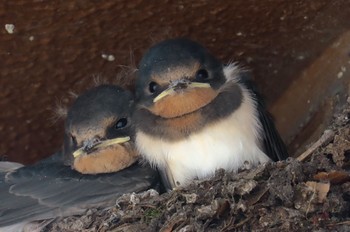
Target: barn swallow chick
x: 98, y: 140
x: 195, y: 115
x: 98, y: 133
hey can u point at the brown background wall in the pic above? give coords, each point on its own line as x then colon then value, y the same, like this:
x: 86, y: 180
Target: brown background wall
x: 57, y: 47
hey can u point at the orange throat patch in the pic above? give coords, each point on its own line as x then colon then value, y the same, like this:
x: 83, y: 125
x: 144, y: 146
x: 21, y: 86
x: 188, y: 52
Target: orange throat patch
x: 180, y: 104
x: 110, y: 159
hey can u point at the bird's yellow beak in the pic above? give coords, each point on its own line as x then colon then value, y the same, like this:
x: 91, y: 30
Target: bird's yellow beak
x: 171, y: 90
x: 104, y: 143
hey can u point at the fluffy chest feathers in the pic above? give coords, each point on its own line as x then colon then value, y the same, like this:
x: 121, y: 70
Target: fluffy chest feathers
x: 227, y: 144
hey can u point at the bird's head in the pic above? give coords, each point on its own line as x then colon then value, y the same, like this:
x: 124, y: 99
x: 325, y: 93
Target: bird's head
x: 99, y: 132
x: 177, y: 77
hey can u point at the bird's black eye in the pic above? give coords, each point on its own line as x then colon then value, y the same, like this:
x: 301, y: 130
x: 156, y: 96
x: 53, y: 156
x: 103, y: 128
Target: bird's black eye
x: 121, y: 123
x: 153, y: 87
x: 202, y: 75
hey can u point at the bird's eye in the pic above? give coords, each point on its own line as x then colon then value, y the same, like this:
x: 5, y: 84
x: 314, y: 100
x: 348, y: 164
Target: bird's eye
x: 153, y: 86
x: 201, y: 75
x: 121, y: 123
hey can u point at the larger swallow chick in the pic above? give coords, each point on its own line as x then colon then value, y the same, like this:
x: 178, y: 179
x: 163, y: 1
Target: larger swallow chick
x: 195, y: 115
x: 96, y: 165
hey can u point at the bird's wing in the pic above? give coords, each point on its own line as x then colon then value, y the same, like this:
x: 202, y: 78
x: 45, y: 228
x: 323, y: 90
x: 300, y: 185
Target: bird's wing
x: 6, y: 166
x: 49, y: 189
x: 272, y: 141
x: 166, y: 178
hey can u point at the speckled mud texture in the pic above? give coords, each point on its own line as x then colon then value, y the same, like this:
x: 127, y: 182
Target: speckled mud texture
x: 308, y: 195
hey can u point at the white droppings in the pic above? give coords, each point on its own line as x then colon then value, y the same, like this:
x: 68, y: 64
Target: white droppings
x: 10, y: 28
x: 341, y: 73
x: 239, y: 33
x: 301, y: 57
x: 108, y: 57
x: 31, y: 38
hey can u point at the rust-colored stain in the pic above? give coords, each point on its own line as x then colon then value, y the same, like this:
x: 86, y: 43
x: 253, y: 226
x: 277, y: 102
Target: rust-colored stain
x: 59, y: 46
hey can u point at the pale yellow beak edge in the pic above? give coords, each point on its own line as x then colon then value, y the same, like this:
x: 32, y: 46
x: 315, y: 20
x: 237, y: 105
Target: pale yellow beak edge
x: 170, y: 91
x: 105, y: 143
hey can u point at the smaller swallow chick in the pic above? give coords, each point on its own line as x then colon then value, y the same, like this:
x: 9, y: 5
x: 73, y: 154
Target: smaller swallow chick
x: 195, y: 115
x: 98, y: 132
x: 97, y: 165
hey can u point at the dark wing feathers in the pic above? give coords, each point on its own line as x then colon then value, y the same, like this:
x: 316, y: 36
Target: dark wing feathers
x: 49, y: 188
x: 272, y: 141
x: 166, y: 178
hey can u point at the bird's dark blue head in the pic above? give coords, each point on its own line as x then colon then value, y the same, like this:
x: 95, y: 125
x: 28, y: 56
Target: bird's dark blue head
x: 97, y: 124
x: 172, y: 61
x: 104, y: 110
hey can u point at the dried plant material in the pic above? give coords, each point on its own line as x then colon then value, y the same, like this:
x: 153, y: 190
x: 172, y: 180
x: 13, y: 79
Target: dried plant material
x: 173, y: 223
x: 191, y: 198
x: 319, y: 188
x: 340, y: 223
x: 327, y: 136
x: 340, y: 145
x: 334, y: 177
x: 220, y: 206
x: 241, y: 187
x: 204, y: 212
x: 255, y: 198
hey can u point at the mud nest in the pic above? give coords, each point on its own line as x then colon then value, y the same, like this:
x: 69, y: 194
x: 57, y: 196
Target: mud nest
x: 311, y: 193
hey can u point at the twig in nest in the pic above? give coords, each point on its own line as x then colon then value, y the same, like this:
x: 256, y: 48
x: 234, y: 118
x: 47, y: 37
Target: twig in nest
x: 327, y: 136
x: 339, y: 223
x: 241, y: 223
x: 148, y: 206
x: 168, y: 227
